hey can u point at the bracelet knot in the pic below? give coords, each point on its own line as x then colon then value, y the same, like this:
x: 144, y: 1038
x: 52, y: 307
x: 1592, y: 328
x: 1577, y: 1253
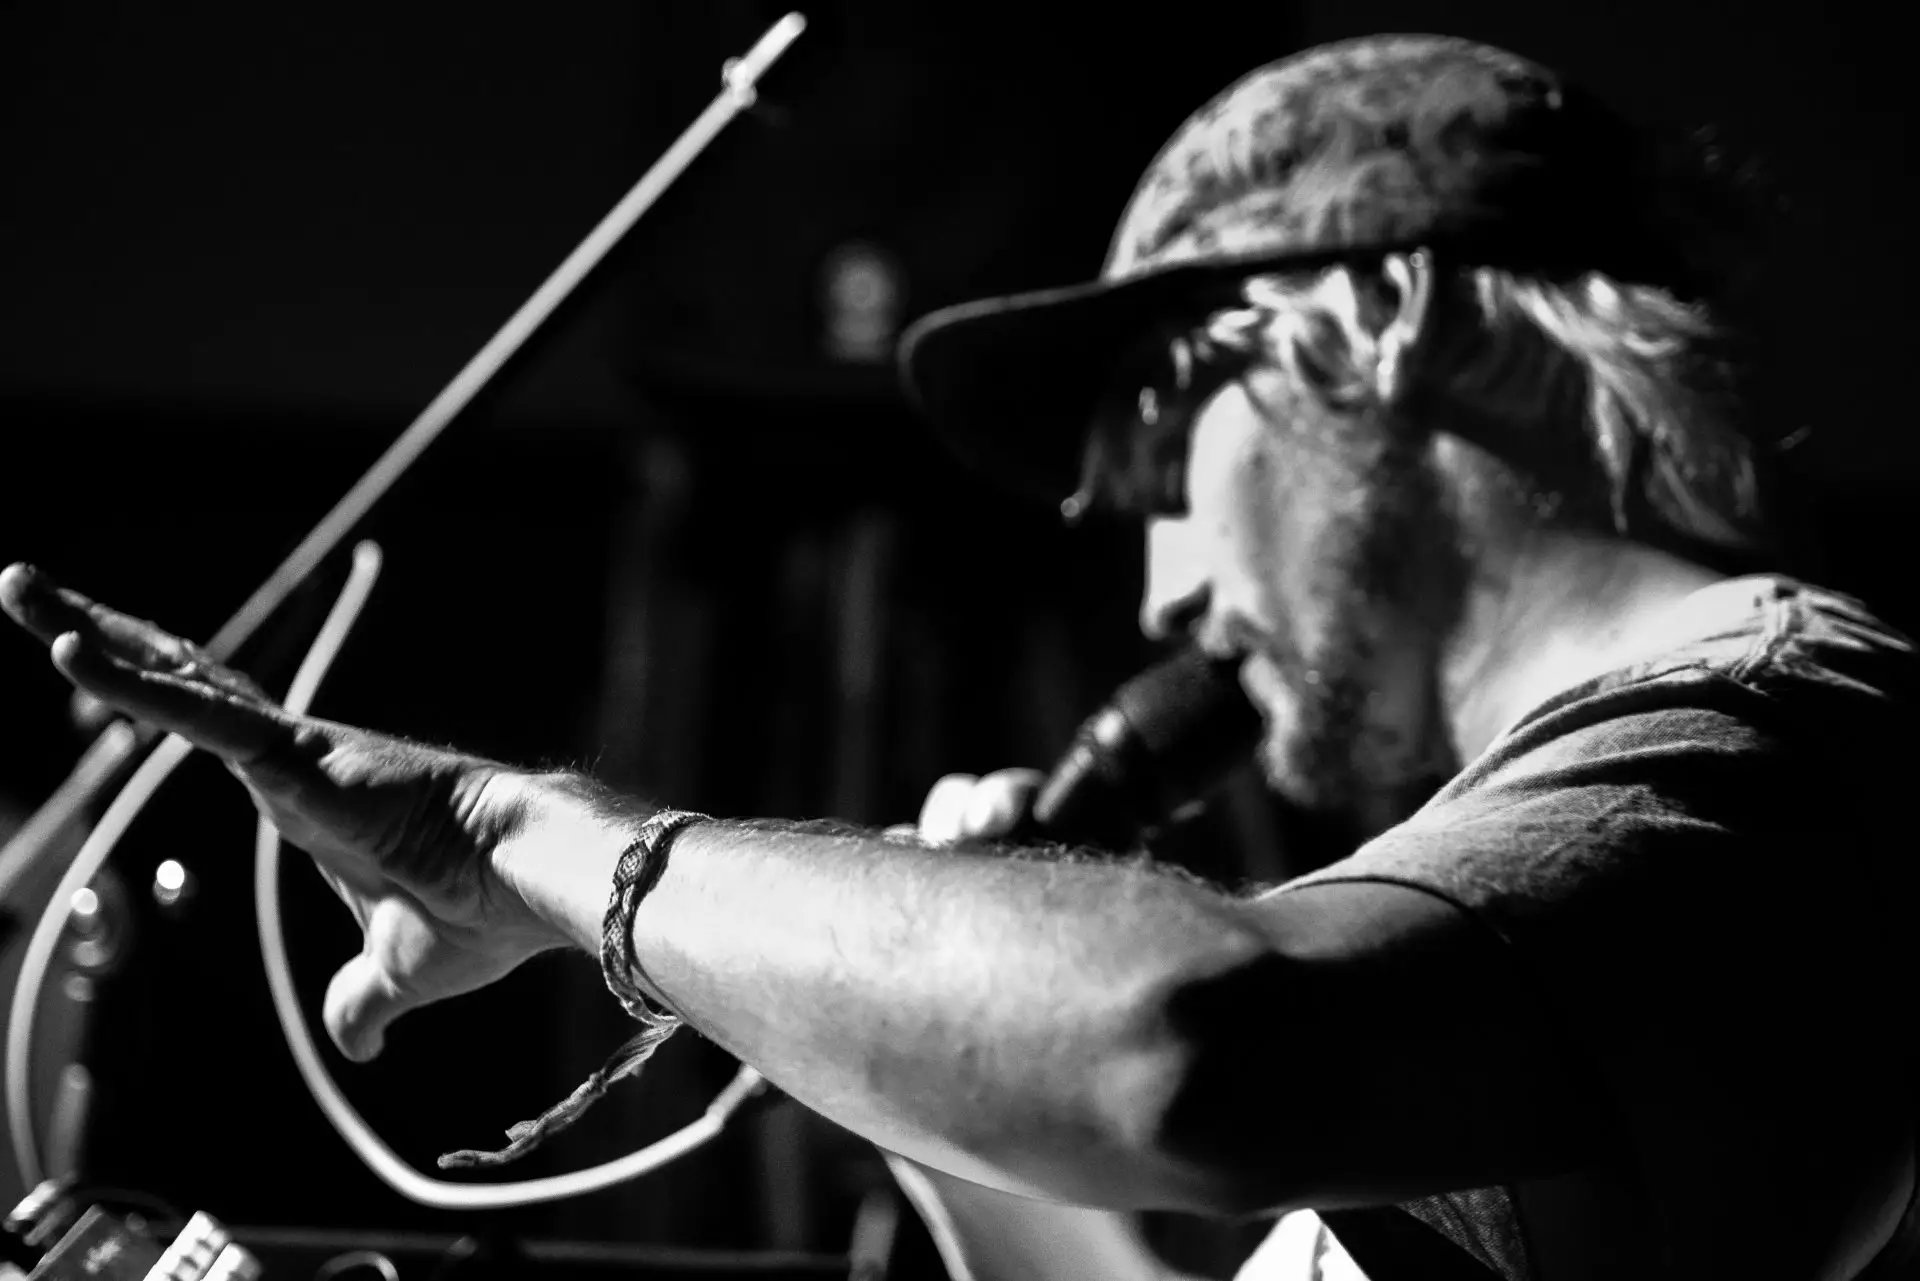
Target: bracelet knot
x: 634, y: 876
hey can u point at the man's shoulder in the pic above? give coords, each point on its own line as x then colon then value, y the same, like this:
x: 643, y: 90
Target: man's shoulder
x: 1768, y: 630
x: 1816, y: 635
x: 1748, y: 660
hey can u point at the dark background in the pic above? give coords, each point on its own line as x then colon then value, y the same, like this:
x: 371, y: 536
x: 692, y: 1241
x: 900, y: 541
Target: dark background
x: 241, y: 246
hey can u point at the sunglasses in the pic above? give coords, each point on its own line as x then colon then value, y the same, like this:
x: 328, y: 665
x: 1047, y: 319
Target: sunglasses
x: 1136, y: 452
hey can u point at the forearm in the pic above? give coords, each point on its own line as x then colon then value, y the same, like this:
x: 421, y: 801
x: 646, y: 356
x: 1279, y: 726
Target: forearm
x: 1000, y: 1018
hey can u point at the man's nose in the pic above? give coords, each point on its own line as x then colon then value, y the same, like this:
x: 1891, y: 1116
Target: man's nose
x: 1176, y: 593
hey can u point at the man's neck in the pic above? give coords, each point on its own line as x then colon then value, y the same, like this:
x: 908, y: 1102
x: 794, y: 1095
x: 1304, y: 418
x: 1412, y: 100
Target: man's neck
x: 1560, y: 610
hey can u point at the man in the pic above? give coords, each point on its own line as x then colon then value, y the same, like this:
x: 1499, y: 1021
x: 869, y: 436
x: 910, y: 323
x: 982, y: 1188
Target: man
x: 1434, y: 437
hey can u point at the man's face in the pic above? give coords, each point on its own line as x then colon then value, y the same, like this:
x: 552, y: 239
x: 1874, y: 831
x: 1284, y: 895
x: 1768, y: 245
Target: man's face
x: 1316, y: 548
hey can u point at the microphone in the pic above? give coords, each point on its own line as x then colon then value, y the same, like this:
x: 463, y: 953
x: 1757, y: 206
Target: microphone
x: 1162, y: 741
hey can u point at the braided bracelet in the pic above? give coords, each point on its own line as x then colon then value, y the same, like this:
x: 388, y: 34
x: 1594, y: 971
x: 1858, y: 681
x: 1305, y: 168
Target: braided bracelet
x: 634, y: 876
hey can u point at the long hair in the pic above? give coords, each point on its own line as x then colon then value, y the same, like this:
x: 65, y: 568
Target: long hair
x: 1623, y: 398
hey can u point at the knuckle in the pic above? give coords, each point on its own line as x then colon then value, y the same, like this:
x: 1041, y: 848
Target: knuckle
x: 998, y: 801
x: 991, y: 811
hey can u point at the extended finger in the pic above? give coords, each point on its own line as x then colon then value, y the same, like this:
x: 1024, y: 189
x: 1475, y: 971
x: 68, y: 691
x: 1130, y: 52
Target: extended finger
x: 49, y: 611
x: 32, y: 600
x: 237, y: 728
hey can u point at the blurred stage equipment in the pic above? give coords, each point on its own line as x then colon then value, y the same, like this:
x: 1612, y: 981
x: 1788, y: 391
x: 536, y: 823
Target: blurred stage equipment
x: 62, y: 1233
x: 67, y: 1232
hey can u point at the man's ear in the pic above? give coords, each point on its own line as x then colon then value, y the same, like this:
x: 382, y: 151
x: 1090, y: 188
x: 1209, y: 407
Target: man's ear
x: 1398, y: 345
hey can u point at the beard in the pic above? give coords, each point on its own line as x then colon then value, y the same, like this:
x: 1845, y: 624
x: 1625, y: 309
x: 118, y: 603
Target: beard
x: 1334, y: 746
x: 1349, y: 684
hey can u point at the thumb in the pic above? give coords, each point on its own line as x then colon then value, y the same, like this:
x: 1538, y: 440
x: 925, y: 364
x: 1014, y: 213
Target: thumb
x: 361, y: 1001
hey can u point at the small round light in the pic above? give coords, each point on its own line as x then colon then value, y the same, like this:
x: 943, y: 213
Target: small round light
x: 172, y: 883
x: 85, y: 907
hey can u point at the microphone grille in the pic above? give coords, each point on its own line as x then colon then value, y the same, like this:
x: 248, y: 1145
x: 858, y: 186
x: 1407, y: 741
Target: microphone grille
x: 1190, y: 714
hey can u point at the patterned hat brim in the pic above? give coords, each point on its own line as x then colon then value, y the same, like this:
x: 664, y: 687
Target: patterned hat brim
x: 1011, y: 383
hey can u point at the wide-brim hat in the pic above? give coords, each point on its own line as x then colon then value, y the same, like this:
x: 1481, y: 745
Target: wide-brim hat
x: 1341, y: 153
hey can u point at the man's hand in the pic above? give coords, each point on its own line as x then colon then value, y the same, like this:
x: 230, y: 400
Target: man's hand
x: 963, y: 807
x: 403, y: 832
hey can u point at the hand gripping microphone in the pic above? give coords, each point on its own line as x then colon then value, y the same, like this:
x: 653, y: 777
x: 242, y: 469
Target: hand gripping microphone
x: 1161, y: 742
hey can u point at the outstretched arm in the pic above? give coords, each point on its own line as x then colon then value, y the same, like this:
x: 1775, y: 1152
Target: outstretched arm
x: 1099, y: 1031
